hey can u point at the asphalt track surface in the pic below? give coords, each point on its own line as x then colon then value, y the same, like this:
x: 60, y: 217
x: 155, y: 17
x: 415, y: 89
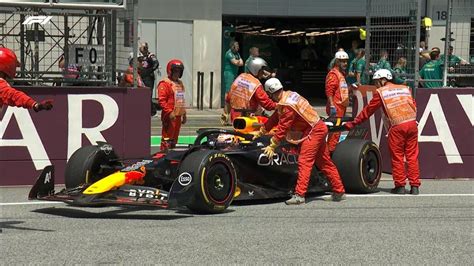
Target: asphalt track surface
x: 435, y: 227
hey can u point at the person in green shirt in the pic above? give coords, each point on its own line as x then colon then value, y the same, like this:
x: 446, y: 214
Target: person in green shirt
x: 254, y: 52
x: 383, y: 62
x: 353, y: 51
x: 453, y: 60
x: 232, y: 62
x: 432, y: 70
x: 351, y: 74
x: 400, y: 70
x: 360, y: 75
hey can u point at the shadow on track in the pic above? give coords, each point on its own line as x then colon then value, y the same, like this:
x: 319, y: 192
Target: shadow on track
x: 122, y: 213
x: 13, y: 225
x: 310, y: 197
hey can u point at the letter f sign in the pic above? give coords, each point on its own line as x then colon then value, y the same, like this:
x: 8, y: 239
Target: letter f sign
x: 37, y: 19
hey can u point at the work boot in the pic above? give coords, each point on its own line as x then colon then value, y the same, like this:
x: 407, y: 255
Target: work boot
x: 336, y: 197
x: 414, y: 191
x: 398, y: 190
x: 295, y: 200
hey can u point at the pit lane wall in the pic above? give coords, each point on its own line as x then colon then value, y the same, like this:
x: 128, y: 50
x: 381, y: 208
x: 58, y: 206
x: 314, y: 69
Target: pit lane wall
x: 445, y: 131
x: 29, y: 141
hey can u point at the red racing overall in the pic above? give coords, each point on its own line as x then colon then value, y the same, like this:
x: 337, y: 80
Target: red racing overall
x: 299, y: 123
x: 246, y: 92
x: 400, y: 110
x: 171, y: 99
x: 337, y: 88
x: 10, y: 96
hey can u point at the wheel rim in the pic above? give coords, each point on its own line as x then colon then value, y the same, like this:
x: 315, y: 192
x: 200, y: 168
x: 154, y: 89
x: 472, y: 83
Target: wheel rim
x: 371, y: 167
x: 219, y: 183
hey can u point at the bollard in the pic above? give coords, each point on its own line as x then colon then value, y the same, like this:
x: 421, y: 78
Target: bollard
x: 199, y: 81
x: 211, y: 81
x: 201, y: 105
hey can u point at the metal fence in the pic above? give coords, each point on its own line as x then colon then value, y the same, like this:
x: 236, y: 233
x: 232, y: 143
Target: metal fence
x: 126, y: 36
x: 394, y: 30
x: 393, y: 34
x: 459, y: 44
x: 69, y: 46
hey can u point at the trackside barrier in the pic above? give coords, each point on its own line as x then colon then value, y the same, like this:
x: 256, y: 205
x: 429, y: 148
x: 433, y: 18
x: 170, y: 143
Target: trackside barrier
x: 445, y: 130
x: 30, y: 141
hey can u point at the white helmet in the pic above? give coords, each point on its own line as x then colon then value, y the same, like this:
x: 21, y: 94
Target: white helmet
x: 341, y: 55
x: 382, y: 73
x: 255, y: 65
x: 273, y: 85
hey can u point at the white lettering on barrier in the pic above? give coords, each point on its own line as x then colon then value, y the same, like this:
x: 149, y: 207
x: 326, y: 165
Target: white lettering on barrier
x: 376, y: 136
x: 31, y: 140
x: 75, y: 129
x: 444, y: 136
x: 467, y: 103
x: 433, y: 107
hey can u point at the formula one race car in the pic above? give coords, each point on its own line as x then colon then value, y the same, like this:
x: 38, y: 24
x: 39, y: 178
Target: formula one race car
x: 221, y: 166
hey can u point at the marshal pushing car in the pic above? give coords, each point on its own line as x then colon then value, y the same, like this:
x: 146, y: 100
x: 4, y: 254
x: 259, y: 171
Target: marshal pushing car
x: 221, y: 166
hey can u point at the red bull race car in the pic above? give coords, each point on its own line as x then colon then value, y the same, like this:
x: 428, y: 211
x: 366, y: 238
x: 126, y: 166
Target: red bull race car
x: 221, y: 166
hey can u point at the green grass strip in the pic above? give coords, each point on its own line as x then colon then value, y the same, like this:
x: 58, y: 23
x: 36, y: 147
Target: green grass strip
x: 156, y: 140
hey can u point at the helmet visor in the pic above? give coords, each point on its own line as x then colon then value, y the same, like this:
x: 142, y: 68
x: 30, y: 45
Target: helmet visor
x: 178, y: 69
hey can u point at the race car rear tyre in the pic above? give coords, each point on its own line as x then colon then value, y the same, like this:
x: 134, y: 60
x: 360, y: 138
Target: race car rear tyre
x: 214, y: 181
x: 84, y: 166
x: 359, y: 165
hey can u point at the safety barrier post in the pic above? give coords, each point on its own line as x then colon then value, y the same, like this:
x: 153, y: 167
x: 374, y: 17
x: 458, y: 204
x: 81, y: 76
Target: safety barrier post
x: 198, y: 87
x: 211, y: 81
x: 202, y: 90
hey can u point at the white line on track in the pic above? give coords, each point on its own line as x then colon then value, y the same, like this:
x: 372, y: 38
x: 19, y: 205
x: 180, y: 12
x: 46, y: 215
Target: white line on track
x: 406, y: 195
x: 325, y: 196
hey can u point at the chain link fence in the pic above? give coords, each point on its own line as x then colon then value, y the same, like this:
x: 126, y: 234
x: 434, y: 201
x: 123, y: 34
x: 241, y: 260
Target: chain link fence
x: 69, y: 46
x: 126, y: 30
x: 396, y: 41
x: 393, y: 36
x: 459, y: 44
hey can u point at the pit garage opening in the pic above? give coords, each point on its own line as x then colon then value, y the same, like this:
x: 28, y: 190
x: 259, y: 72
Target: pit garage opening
x: 299, y: 49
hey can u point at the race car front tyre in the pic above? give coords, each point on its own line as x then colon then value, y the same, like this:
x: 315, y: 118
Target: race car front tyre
x: 359, y: 164
x: 84, y: 166
x: 214, y: 181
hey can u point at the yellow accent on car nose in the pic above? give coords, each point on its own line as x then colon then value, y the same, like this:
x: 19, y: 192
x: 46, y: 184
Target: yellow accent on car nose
x: 114, y: 180
x: 237, y: 192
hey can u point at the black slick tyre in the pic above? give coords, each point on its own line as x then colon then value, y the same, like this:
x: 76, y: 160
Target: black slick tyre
x: 214, y: 180
x: 84, y: 166
x: 359, y: 164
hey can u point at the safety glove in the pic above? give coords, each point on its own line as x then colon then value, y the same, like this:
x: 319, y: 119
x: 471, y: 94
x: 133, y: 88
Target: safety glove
x: 172, y: 116
x: 43, y: 105
x: 260, y: 133
x: 269, y: 151
x: 184, y: 119
x: 224, y: 119
x: 349, y: 125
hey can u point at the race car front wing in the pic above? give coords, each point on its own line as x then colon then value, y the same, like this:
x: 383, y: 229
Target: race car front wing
x: 43, y: 189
